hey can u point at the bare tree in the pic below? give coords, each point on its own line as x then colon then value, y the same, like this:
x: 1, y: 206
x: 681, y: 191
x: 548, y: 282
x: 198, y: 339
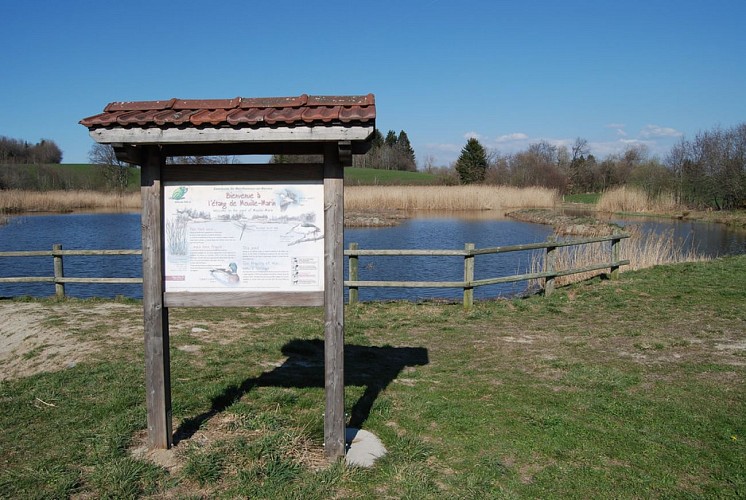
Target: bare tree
x: 711, y: 168
x: 115, y: 172
x: 15, y: 151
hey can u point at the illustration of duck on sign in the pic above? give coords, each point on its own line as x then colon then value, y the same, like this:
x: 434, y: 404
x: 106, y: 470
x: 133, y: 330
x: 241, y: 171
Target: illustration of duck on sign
x: 228, y: 275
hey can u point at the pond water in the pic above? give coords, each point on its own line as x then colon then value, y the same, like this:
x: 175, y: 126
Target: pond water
x: 424, y: 231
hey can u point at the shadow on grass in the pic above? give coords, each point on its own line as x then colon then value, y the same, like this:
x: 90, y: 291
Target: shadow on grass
x: 372, y: 367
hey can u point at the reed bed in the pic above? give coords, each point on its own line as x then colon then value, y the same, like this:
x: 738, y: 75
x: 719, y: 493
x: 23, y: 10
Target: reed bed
x: 456, y: 198
x: 643, y: 249
x: 627, y: 199
x: 357, y: 198
x: 13, y: 201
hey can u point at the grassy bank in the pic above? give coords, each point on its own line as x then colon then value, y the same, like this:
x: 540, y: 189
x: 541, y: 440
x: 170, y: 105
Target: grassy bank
x: 625, y: 389
x: 60, y: 177
x: 633, y: 200
x: 643, y: 249
x: 375, y: 177
x: 81, y: 176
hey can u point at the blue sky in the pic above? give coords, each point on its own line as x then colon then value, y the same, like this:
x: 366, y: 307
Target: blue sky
x: 510, y: 73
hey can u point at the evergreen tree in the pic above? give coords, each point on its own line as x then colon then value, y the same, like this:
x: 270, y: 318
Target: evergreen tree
x: 377, y: 141
x: 406, y: 158
x: 390, y: 139
x: 472, y: 163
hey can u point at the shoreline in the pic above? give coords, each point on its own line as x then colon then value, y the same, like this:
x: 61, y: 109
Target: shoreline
x: 370, y: 211
x: 563, y: 223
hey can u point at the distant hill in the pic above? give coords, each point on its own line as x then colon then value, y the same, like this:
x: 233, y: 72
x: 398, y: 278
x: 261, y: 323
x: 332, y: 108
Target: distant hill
x: 83, y: 176
x: 373, y: 176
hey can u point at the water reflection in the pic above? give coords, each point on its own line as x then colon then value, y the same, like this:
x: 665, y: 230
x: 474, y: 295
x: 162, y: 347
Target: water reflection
x: 75, y: 232
x: 424, y: 231
x: 705, y: 238
x: 435, y: 231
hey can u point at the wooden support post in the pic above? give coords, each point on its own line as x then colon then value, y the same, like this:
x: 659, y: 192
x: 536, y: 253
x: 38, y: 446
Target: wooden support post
x: 59, y: 287
x: 550, y: 261
x: 155, y: 315
x: 468, y: 276
x: 334, y: 417
x: 353, y: 275
x: 615, y: 257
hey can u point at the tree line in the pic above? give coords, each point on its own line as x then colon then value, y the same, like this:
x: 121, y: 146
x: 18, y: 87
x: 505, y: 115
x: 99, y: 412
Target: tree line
x: 16, y: 151
x: 708, y: 171
x: 393, y: 152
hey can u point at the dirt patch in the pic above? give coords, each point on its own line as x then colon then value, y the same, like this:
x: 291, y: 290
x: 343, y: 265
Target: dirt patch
x: 38, y: 337
x: 48, y: 336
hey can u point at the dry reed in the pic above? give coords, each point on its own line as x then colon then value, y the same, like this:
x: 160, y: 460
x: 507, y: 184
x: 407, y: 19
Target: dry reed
x: 454, y: 198
x: 12, y: 201
x: 643, y: 249
x: 626, y: 199
x: 357, y: 198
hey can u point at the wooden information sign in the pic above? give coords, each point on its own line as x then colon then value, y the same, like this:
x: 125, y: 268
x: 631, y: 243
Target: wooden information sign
x: 240, y: 234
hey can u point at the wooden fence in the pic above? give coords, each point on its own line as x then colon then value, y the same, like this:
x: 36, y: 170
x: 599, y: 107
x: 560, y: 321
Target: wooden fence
x: 468, y: 284
x: 59, y: 279
x: 470, y: 252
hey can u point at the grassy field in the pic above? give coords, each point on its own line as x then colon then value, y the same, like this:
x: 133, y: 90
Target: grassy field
x: 607, y: 389
x: 374, y: 176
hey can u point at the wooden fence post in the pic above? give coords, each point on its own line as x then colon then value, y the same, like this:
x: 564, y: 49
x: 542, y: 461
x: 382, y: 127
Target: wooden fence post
x: 468, y: 276
x: 550, y: 261
x: 59, y: 287
x: 353, y: 275
x: 615, y: 257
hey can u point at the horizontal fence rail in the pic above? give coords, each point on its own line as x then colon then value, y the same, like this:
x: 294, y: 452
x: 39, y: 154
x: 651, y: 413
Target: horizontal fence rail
x: 59, y: 279
x: 470, y: 252
x: 468, y: 284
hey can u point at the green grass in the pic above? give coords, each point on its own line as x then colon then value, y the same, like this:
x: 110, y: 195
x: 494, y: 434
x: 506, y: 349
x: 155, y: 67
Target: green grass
x: 64, y: 176
x: 607, y: 389
x: 374, y: 176
x: 588, y: 198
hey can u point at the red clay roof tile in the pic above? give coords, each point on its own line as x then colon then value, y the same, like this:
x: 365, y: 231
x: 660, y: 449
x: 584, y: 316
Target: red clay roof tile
x: 206, y: 103
x: 236, y: 112
x: 321, y: 113
x: 250, y: 116
x: 138, y: 105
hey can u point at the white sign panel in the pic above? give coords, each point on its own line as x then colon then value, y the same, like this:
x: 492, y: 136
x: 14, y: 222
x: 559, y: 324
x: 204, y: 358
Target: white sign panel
x: 244, y: 236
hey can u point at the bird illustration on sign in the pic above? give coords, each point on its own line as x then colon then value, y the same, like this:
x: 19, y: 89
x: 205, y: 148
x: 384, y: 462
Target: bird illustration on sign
x: 227, y: 275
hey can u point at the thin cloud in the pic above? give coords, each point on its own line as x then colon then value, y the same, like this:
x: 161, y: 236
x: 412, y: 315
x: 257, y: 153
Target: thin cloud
x: 603, y: 149
x: 515, y: 136
x: 618, y: 128
x: 447, y: 147
x: 472, y: 135
x: 650, y: 131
